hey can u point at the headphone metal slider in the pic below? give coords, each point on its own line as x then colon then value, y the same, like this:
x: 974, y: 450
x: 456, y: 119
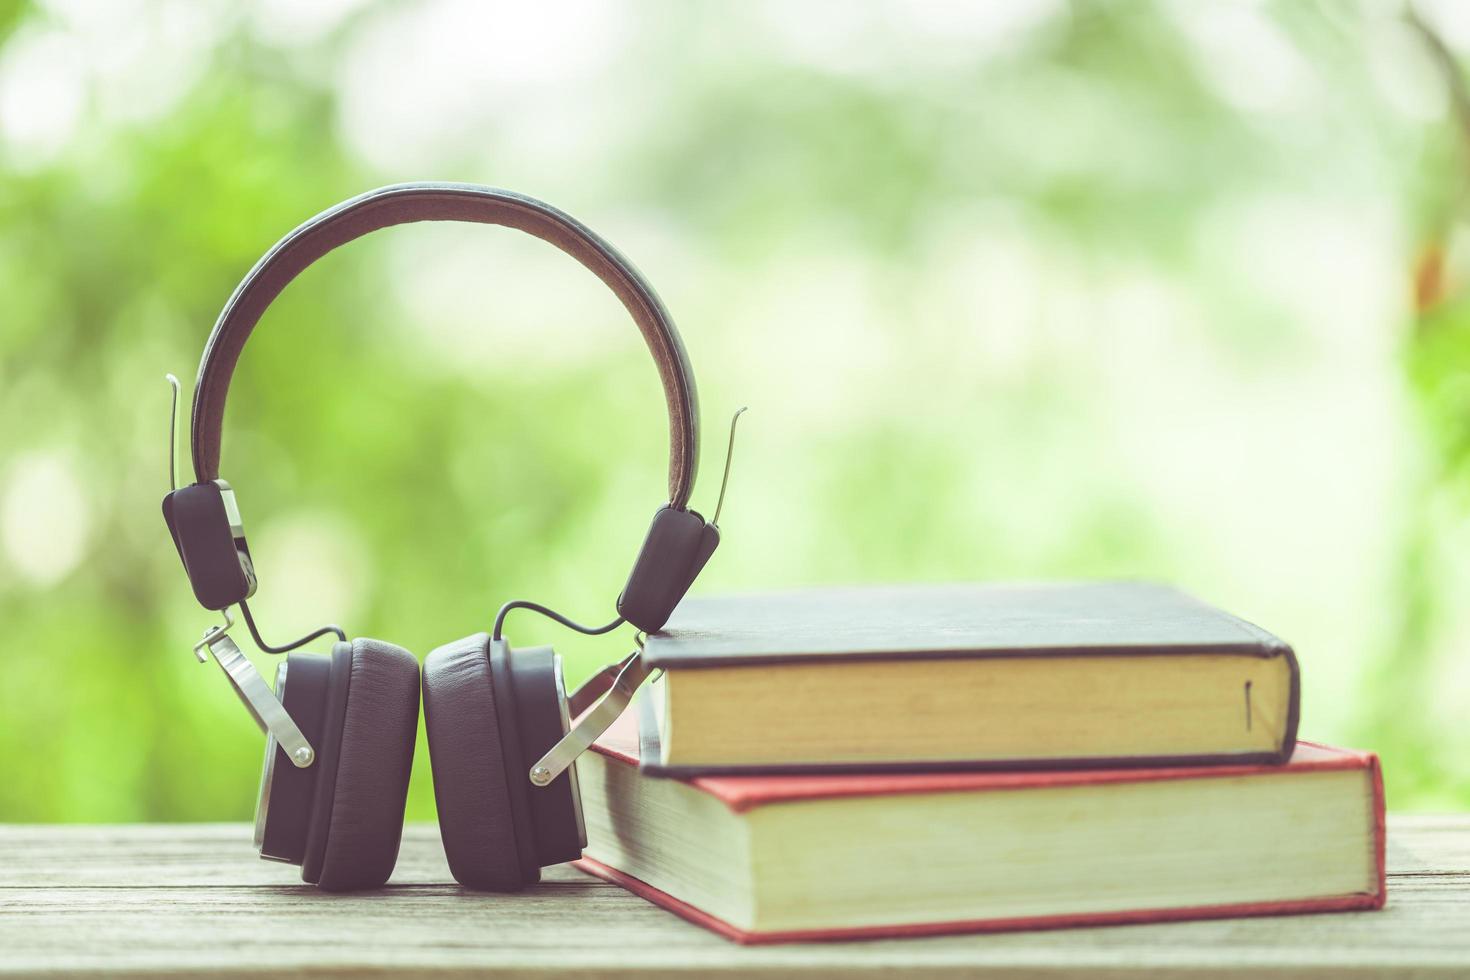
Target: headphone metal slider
x: 255, y: 694
x: 631, y: 673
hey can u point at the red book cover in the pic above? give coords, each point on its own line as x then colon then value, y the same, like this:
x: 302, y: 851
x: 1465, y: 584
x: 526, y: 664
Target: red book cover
x: 743, y: 793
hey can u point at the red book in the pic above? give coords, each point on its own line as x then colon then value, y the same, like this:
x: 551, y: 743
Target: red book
x: 762, y: 859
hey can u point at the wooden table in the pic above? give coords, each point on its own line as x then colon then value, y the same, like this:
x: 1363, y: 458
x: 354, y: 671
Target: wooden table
x: 191, y: 899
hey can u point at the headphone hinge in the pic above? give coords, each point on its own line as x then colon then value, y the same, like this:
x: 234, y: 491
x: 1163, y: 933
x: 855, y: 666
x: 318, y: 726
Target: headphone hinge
x: 205, y: 523
x: 678, y: 545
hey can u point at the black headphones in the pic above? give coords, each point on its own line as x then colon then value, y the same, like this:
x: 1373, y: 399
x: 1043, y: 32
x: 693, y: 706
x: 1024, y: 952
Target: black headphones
x: 342, y: 726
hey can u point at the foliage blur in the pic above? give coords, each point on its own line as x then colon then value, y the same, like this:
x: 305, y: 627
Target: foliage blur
x: 1014, y: 290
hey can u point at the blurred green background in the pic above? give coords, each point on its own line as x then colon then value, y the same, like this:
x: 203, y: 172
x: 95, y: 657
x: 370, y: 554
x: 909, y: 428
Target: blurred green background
x: 1014, y: 290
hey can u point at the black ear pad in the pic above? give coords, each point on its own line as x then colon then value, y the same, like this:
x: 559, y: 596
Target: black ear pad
x: 364, y: 822
x: 482, y: 818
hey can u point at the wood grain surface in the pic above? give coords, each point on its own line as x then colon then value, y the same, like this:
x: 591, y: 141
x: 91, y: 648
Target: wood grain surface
x: 193, y: 899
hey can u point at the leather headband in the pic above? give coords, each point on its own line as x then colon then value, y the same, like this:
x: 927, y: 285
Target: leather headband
x: 399, y: 204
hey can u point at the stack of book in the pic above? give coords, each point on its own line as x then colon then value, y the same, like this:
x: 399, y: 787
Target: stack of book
x: 884, y: 762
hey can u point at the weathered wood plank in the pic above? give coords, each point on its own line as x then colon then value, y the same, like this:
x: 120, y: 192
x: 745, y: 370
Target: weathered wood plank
x: 175, y: 855
x: 1419, y: 843
x: 190, y: 899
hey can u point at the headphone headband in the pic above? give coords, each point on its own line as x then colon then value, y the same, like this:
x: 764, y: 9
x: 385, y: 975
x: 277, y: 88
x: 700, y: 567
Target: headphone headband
x: 399, y: 204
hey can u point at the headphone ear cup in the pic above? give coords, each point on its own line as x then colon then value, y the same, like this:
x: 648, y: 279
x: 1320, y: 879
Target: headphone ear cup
x: 379, y: 728
x: 472, y: 784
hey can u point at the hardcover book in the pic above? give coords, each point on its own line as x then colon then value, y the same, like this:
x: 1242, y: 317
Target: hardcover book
x: 979, y: 676
x: 805, y: 857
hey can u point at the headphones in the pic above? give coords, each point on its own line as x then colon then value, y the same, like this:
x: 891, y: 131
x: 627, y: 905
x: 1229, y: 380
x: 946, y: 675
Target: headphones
x: 341, y: 726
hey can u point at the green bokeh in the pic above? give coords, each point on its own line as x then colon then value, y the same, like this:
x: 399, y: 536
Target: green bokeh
x: 807, y: 218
